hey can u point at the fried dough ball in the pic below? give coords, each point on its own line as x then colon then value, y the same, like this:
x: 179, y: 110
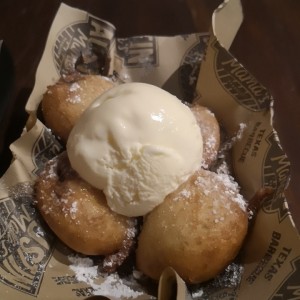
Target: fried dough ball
x: 78, y: 213
x: 198, y: 230
x: 210, y: 131
x: 64, y: 102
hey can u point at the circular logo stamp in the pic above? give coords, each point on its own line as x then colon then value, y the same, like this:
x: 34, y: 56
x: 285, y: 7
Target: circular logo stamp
x: 84, y: 47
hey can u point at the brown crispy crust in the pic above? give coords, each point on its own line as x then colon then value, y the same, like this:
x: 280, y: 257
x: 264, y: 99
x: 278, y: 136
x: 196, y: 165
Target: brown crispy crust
x: 64, y: 102
x: 78, y: 213
x: 198, y: 230
x: 210, y: 131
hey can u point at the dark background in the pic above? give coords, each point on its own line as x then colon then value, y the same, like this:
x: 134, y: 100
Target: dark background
x: 268, y: 45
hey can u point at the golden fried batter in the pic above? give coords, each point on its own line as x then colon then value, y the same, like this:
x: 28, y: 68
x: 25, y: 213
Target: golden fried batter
x: 210, y: 131
x: 198, y: 229
x: 64, y: 102
x: 78, y: 213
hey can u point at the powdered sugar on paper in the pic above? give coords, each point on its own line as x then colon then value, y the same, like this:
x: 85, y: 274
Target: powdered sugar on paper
x: 112, y: 285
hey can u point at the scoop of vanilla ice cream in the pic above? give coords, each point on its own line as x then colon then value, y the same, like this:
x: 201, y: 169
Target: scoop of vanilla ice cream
x: 137, y: 143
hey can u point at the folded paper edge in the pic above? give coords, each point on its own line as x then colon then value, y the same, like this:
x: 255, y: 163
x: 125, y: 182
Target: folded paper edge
x: 226, y: 21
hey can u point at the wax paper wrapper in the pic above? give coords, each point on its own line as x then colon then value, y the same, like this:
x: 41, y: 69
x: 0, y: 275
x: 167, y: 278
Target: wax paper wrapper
x: 36, y: 265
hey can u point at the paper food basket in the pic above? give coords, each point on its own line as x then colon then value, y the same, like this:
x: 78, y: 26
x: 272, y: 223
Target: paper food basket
x: 35, y: 265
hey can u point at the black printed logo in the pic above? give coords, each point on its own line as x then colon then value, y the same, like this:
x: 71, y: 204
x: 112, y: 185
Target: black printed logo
x: 138, y: 52
x: 290, y: 288
x: 276, y: 174
x: 238, y: 82
x: 190, y: 68
x: 45, y: 148
x: 24, y: 248
x: 84, y: 47
x: 182, y: 83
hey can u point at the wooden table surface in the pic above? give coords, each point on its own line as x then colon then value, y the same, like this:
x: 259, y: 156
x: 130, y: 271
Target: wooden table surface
x: 268, y: 45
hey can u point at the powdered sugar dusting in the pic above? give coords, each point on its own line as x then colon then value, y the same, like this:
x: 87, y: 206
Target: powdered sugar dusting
x: 224, y: 284
x: 84, y: 268
x: 197, y: 294
x: 231, y: 276
x: 223, y: 184
x: 64, y: 198
x: 112, y: 285
x: 210, y: 148
x: 73, y: 209
x: 240, y: 132
x: 39, y: 232
x: 232, y: 187
x: 210, y: 133
x: 184, y: 194
x: 74, y: 87
x: 74, y: 99
x: 74, y: 96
